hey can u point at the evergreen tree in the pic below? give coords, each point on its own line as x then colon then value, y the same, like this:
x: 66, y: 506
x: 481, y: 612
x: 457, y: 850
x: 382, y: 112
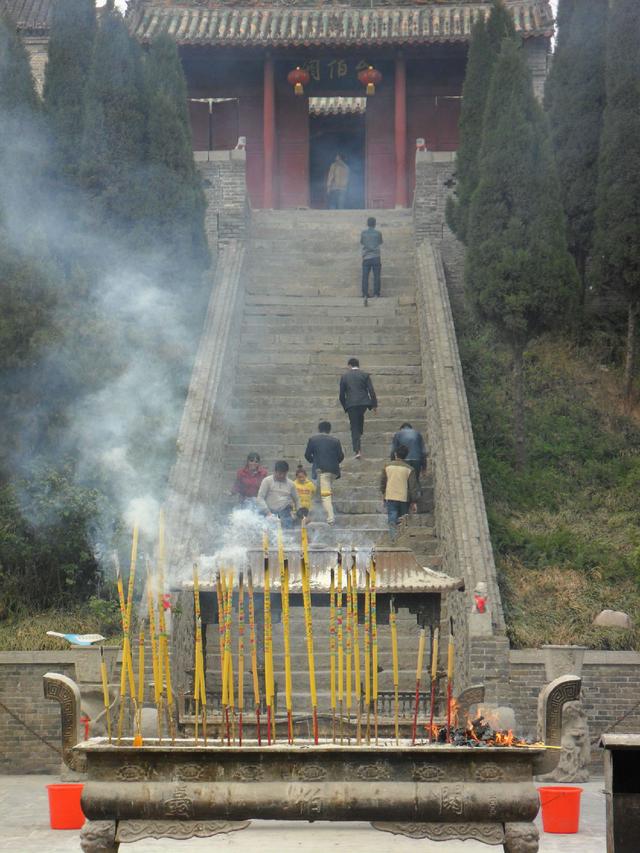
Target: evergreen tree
x: 73, y: 28
x: 20, y: 140
x: 575, y: 100
x: 484, y: 47
x: 617, y: 238
x: 114, y: 140
x: 519, y: 274
x: 176, y: 200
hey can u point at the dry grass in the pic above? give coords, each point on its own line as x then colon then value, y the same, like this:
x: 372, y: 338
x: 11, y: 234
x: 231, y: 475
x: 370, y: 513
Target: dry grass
x: 29, y: 633
x: 558, y: 605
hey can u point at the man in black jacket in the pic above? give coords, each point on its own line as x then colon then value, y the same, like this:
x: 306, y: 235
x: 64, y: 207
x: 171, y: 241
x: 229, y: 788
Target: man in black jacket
x: 356, y: 396
x: 325, y: 453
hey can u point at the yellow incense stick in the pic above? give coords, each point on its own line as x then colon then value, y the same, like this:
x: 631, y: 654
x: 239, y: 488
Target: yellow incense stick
x: 340, y: 633
x: 157, y: 684
x: 141, y: 668
x: 105, y: 691
x: 165, y: 664
x: 450, y: 657
x: 396, y: 679
x: 374, y: 648
x: 367, y: 641
x: 284, y: 598
x: 221, y: 626
x: 252, y: 642
x: 229, y: 642
x: 240, y: 643
x: 434, y: 654
x: 355, y: 629
x: 332, y: 642
x: 348, y: 646
x: 421, y: 645
x: 308, y: 622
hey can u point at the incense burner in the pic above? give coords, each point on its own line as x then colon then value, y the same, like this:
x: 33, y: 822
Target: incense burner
x: 187, y: 789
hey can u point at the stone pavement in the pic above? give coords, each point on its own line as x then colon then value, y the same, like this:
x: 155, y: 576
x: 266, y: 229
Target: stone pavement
x: 24, y: 828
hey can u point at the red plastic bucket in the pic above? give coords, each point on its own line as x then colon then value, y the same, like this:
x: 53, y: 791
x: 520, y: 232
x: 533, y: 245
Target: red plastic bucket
x: 64, y: 806
x: 560, y: 808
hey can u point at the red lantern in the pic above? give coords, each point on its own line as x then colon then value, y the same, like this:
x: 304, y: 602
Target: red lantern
x: 298, y: 78
x: 370, y: 78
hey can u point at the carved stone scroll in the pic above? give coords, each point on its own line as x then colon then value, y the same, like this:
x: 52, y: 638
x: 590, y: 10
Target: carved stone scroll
x: 136, y: 830
x: 65, y: 691
x: 99, y: 836
x: 489, y: 833
x: 550, y: 704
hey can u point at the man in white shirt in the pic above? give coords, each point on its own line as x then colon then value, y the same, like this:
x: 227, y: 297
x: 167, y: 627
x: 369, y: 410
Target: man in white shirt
x: 277, y: 495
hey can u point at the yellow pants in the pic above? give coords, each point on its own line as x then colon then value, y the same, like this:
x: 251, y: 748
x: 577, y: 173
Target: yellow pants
x: 326, y: 481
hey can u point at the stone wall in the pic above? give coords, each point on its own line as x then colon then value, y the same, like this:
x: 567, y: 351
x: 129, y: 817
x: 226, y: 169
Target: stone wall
x: 22, y: 692
x: 224, y: 178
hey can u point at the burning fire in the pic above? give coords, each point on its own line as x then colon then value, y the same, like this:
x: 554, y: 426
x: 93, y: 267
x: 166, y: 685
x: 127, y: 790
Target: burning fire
x: 481, y: 730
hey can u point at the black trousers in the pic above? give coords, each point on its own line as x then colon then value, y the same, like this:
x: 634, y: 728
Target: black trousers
x: 356, y: 422
x: 368, y: 265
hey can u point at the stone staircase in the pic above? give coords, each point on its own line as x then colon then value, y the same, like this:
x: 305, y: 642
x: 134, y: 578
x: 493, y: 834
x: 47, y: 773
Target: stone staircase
x: 303, y: 318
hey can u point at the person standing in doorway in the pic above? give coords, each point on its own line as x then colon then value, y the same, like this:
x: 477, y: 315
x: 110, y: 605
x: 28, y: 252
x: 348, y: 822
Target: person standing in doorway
x: 325, y: 453
x: 337, y: 184
x: 371, y: 240
x: 414, y: 442
x: 356, y: 396
x: 399, y: 487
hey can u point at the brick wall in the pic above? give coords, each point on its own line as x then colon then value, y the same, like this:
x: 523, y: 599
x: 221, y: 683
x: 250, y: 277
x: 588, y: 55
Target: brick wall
x: 22, y: 692
x: 610, y: 689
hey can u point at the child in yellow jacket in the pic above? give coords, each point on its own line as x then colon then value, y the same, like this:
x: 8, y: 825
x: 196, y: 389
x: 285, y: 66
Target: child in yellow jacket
x: 306, y: 490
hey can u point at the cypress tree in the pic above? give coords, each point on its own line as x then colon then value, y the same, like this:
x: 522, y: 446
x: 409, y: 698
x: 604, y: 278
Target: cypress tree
x: 575, y: 100
x: 176, y: 200
x: 519, y: 274
x: 617, y: 238
x: 20, y: 131
x: 114, y: 140
x: 484, y: 47
x: 73, y: 28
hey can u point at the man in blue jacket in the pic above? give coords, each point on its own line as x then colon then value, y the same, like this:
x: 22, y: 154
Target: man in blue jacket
x: 414, y: 442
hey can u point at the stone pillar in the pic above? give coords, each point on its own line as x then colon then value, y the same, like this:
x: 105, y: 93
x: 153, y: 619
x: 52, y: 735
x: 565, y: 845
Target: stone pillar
x: 269, y: 130
x: 401, y: 130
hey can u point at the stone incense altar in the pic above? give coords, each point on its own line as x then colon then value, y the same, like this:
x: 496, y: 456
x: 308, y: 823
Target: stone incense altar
x: 182, y: 790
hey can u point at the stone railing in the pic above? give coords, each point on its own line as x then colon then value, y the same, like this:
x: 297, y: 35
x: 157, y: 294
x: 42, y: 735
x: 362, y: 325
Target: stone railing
x: 224, y: 179
x: 461, y: 518
x: 199, y: 466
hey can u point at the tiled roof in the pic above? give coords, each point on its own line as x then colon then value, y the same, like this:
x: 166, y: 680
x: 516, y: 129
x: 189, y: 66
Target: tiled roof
x: 337, y: 106
x: 32, y: 17
x: 294, y: 25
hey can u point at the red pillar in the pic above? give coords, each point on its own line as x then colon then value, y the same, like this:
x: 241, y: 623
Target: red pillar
x: 401, y: 131
x: 269, y: 130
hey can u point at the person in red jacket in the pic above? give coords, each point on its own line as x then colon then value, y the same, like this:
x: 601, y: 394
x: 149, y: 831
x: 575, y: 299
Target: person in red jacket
x: 248, y: 479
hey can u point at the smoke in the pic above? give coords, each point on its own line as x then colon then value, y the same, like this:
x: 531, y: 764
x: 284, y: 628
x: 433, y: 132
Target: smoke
x: 106, y: 386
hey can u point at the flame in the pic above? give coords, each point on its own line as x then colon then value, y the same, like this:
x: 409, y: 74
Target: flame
x: 504, y: 738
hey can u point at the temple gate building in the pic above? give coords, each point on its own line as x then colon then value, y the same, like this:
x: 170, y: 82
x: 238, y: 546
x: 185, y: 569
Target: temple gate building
x: 237, y: 57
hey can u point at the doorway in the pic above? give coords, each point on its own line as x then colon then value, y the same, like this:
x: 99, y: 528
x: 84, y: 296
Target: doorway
x: 330, y: 134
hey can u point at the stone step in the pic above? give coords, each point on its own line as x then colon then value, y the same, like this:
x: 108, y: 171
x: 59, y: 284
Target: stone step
x: 340, y: 323
x: 277, y: 424
x: 398, y: 405
x: 326, y: 361
x: 339, y: 347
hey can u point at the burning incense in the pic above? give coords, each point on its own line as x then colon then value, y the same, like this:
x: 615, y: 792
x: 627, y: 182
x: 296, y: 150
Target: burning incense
x: 155, y: 659
x: 284, y: 593
x: 126, y: 671
x: 434, y: 678
x: 284, y: 598
x: 374, y: 648
x: 199, y: 692
x: 421, y: 644
x: 332, y: 648
x: 220, y: 595
x: 228, y: 653
x: 348, y: 656
x: 340, y: 643
x: 396, y: 679
x: 450, y: 660
x: 105, y: 691
x: 240, y: 655
x: 308, y: 624
x: 367, y: 651
x: 165, y: 665
x: 356, y: 643
x: 137, y: 740
x: 268, y: 643
x: 254, y: 654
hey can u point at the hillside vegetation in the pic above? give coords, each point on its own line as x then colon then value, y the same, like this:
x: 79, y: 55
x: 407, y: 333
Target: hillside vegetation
x: 565, y: 529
